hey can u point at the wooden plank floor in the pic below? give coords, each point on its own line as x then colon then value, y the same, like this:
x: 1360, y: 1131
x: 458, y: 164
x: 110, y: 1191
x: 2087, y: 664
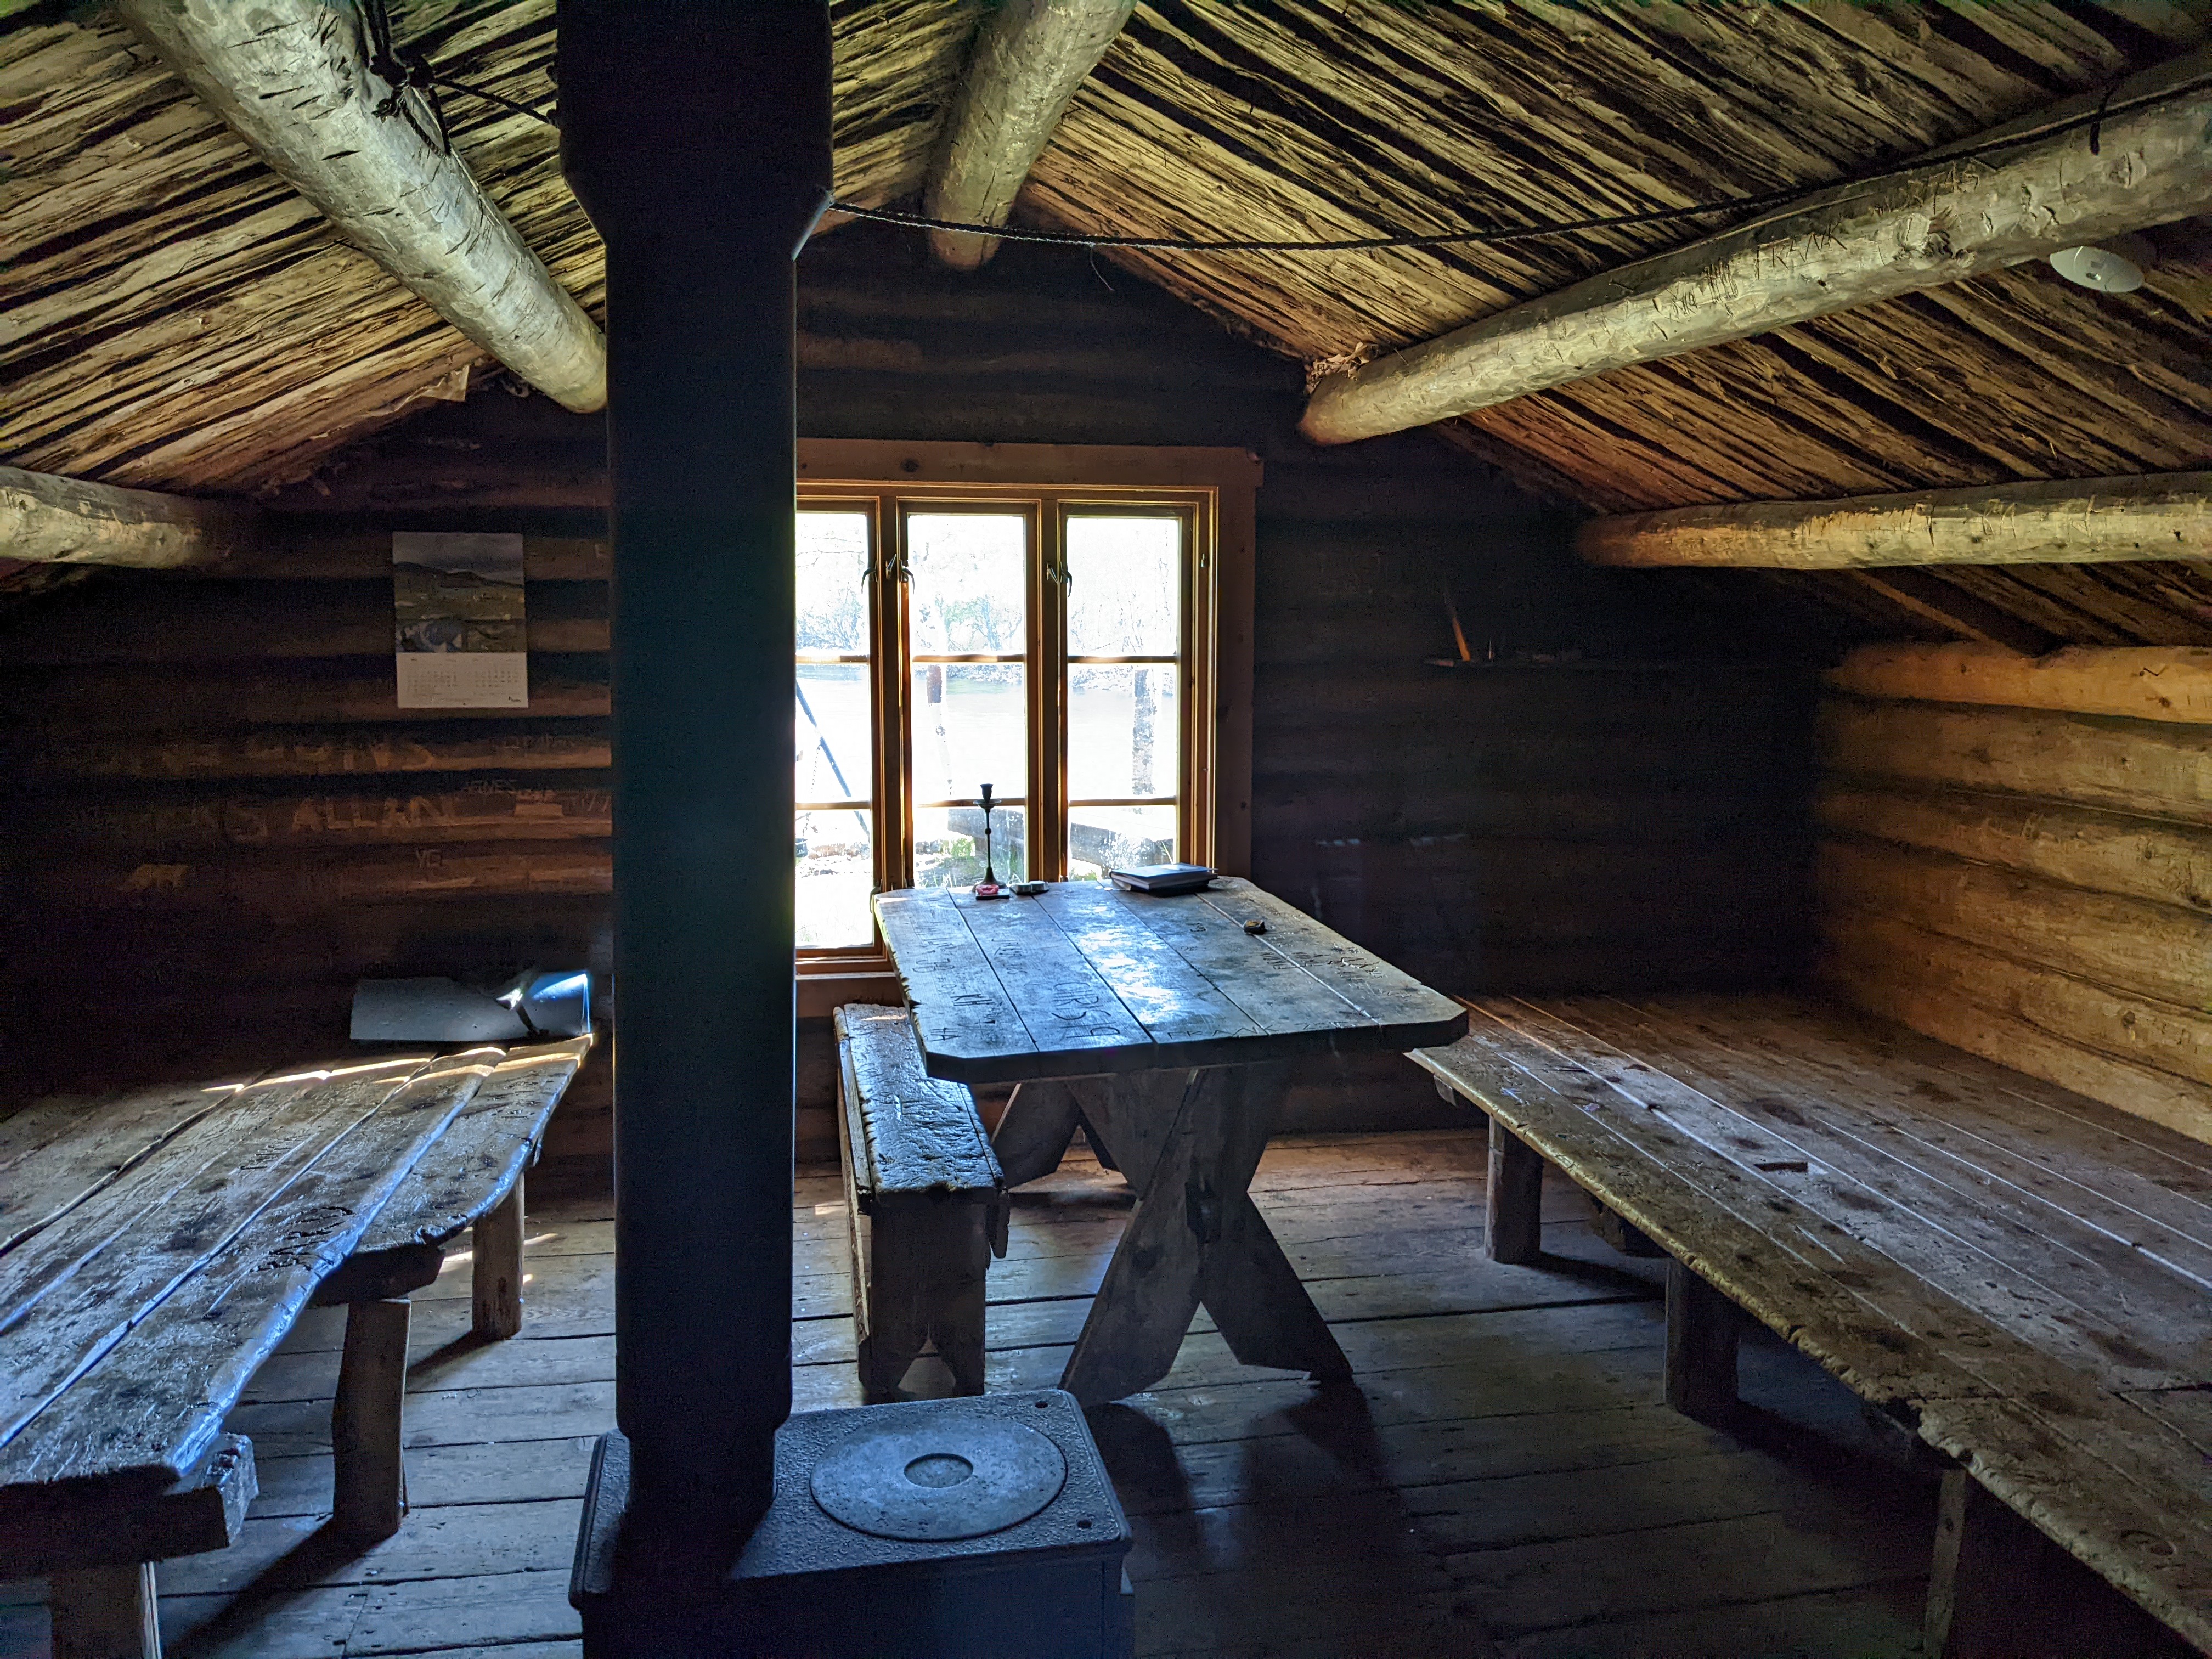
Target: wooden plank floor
x: 1504, y: 1482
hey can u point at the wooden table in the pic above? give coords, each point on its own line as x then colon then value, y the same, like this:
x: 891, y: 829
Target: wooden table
x: 1163, y: 1027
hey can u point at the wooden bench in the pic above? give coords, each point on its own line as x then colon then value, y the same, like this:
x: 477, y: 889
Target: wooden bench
x: 471, y: 1182
x: 2015, y: 1274
x: 154, y: 1248
x: 927, y: 1203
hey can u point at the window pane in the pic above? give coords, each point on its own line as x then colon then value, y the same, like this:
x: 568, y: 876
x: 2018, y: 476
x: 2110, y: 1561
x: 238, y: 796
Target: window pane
x: 969, y: 592
x: 1121, y: 732
x: 833, y: 756
x: 1124, y: 587
x: 833, y: 594
x: 948, y: 845
x: 970, y: 728
x: 837, y: 873
x: 1101, y: 838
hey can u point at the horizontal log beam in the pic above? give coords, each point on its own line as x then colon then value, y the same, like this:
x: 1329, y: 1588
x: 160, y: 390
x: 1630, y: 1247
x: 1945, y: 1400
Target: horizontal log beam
x: 2141, y: 1057
x: 276, y: 886
x: 2152, y: 859
x: 127, y: 698
x: 392, y: 750
x: 2150, y: 682
x: 2154, y: 950
x: 289, y: 552
x: 291, y: 78
x: 494, y: 811
x: 1833, y: 250
x: 1028, y: 59
x: 2157, y: 771
x: 195, y: 623
x: 2085, y: 521
x: 47, y: 519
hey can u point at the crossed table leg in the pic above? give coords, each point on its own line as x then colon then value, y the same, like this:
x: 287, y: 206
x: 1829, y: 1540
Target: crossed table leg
x: 1189, y: 1142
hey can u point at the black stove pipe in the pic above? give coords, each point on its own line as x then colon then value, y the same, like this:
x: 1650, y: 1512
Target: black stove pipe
x: 697, y: 134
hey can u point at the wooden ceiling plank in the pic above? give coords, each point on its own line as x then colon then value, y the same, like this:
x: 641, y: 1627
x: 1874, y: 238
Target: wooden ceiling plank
x: 1833, y: 251
x: 1027, y: 60
x: 1963, y: 615
x: 290, y: 78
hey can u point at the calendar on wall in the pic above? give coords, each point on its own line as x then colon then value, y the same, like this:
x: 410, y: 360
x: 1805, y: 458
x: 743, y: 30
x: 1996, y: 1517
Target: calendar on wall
x: 457, y: 625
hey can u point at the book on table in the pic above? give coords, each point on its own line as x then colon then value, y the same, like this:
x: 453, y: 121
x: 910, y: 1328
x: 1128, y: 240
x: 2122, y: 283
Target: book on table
x: 1161, y: 879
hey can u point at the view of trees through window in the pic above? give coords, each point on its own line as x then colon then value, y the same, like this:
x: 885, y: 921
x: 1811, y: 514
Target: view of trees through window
x: 939, y: 660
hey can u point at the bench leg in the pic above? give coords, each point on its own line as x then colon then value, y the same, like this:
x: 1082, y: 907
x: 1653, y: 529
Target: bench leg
x: 1999, y: 1590
x: 370, y: 1475
x: 1514, y: 1214
x: 1701, y: 1333
x: 105, y: 1613
x: 1034, y: 1132
x: 496, y: 1269
x: 927, y: 1257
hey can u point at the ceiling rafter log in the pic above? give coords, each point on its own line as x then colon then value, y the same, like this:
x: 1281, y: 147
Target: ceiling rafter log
x: 291, y: 78
x: 2064, y: 521
x: 1835, y: 249
x: 47, y: 520
x: 1028, y: 59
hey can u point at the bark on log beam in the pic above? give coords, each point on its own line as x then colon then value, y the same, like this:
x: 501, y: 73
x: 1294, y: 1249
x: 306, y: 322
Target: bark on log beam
x: 1835, y: 249
x: 2085, y: 521
x: 2153, y: 771
x: 1027, y: 60
x: 2123, y: 1050
x: 292, y: 79
x: 2147, y: 682
x: 2144, y: 858
x: 2152, y: 950
x: 71, y: 521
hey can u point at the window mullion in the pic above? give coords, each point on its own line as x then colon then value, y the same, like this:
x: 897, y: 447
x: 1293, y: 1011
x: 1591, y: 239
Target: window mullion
x: 1047, y: 677
x: 894, y: 809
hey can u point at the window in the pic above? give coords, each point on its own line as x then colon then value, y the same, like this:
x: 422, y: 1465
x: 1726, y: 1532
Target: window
x: 1058, y: 640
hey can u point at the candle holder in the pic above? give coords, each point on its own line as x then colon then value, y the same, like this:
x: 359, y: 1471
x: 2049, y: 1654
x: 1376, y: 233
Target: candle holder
x: 989, y: 888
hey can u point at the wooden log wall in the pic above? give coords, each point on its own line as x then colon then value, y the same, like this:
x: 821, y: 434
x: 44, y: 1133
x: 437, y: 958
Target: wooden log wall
x: 223, y: 820
x: 2031, y: 882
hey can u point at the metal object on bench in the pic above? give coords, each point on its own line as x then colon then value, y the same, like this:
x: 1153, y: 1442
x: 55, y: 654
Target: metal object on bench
x: 982, y: 1528
x: 927, y: 1203
x: 522, y: 1007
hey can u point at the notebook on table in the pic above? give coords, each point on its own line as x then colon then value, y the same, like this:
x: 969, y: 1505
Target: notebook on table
x: 1162, y: 878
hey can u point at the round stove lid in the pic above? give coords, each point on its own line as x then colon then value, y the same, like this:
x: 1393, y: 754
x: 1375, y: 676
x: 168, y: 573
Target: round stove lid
x: 950, y: 1477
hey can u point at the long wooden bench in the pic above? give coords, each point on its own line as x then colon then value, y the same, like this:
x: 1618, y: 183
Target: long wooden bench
x: 927, y: 1203
x: 156, y: 1247
x: 2016, y: 1274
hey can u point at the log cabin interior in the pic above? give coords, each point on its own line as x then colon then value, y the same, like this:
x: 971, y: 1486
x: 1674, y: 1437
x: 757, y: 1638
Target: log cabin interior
x: 1663, y: 553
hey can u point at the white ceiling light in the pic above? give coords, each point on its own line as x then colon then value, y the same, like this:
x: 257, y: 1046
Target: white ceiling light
x: 2114, y: 267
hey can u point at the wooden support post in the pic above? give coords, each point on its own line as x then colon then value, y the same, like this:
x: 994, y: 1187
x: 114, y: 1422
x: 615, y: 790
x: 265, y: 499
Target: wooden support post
x: 105, y: 1613
x: 496, y: 1269
x: 1514, y: 1213
x: 697, y: 138
x: 1998, y: 1589
x: 366, y: 1423
x: 1701, y: 1333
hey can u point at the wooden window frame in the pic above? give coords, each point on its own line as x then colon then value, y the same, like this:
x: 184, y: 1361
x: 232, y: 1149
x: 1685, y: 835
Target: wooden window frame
x: 1214, y: 489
